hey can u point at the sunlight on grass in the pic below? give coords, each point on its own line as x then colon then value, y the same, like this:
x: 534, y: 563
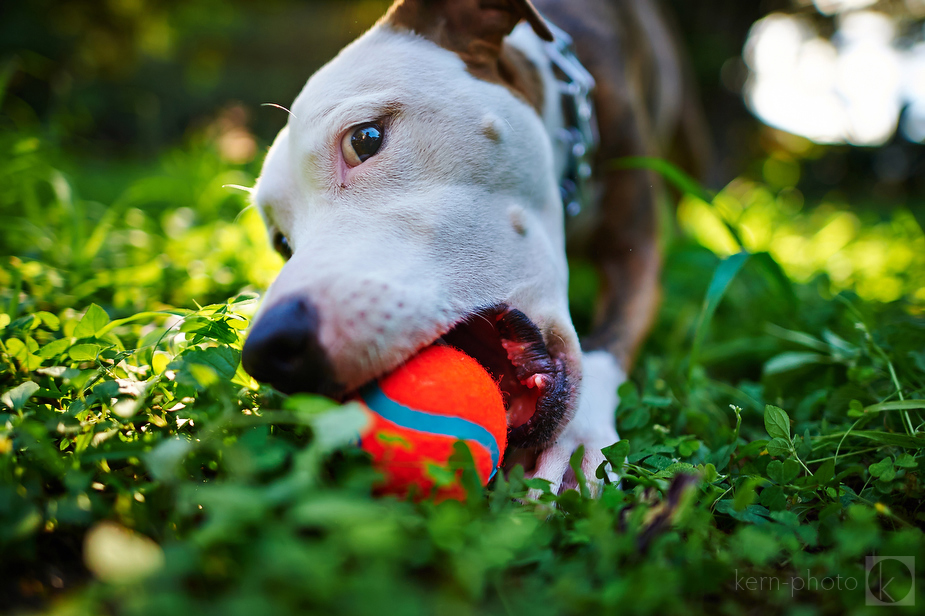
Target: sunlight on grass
x: 128, y: 426
x: 176, y: 232
x: 217, y: 253
x: 881, y: 261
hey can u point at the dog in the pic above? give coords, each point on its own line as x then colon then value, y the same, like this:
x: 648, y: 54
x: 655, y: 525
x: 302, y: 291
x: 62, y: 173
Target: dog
x: 417, y: 196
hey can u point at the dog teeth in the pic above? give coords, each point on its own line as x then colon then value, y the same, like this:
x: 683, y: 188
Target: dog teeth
x: 537, y: 380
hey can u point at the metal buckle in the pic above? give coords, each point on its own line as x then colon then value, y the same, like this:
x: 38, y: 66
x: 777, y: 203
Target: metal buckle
x: 579, y: 136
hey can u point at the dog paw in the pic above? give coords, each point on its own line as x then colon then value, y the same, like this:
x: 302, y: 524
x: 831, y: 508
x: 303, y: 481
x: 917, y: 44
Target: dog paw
x: 554, y: 463
x: 594, y: 427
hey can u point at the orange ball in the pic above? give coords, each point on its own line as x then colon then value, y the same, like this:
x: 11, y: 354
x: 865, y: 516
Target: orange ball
x: 438, y: 397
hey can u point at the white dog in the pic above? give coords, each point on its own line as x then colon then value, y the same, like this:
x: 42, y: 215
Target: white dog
x: 417, y: 193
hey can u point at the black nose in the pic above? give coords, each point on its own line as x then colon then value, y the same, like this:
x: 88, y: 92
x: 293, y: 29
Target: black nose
x: 283, y: 349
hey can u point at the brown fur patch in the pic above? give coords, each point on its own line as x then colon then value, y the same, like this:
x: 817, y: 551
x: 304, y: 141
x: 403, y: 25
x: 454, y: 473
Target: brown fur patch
x: 475, y: 31
x: 629, y: 50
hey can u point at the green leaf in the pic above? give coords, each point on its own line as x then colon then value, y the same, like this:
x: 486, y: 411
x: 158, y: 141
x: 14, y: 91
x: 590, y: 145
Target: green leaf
x: 85, y: 352
x: 777, y: 422
x: 709, y: 473
x: 787, y: 518
x: 689, y: 448
x: 667, y: 170
x: 779, y: 284
x: 855, y: 409
x: 825, y: 473
x: 801, y: 338
x: 723, y: 276
x: 658, y: 462
x: 792, y: 360
x: 783, y: 472
x: 648, y: 451
x: 215, y: 329
x: 678, y: 467
x: 628, y: 393
x: 891, y: 438
x: 756, y: 545
x: 745, y: 492
x: 54, y: 349
x: 898, y: 405
x: 884, y: 486
x: 51, y: 321
x: 16, y: 398
x: 775, y: 470
x: 720, y: 457
x: 616, y: 454
x: 205, y: 375
x: 883, y: 470
x: 791, y: 470
x: 575, y: 464
x: 222, y: 360
x: 905, y: 460
x: 93, y: 321
x: 773, y: 498
x: 753, y: 514
x: 309, y: 403
x: 778, y: 447
x: 636, y: 418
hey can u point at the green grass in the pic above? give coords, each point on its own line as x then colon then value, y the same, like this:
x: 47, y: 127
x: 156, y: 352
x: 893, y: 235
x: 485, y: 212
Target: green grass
x: 142, y: 472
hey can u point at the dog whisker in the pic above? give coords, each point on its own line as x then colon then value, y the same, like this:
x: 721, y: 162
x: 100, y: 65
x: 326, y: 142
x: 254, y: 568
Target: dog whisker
x: 481, y: 316
x: 279, y: 107
x: 246, y: 208
x: 248, y: 190
x: 561, y: 339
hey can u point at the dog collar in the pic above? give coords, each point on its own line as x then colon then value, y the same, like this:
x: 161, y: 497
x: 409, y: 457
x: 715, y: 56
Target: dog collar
x: 578, y: 137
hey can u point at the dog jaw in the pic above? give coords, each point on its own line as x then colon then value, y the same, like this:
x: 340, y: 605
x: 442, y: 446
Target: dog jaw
x: 457, y: 211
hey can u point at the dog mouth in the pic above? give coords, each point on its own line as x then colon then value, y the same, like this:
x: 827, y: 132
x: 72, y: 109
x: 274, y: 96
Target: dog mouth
x: 534, y: 384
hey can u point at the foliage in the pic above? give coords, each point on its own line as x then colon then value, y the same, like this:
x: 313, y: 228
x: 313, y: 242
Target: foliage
x: 883, y: 260
x: 135, y: 75
x: 142, y: 472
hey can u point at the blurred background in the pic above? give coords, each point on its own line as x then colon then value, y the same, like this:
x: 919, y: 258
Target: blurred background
x: 130, y: 131
x: 130, y: 116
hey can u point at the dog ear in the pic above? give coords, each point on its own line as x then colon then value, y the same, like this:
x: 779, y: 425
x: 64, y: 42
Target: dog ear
x: 474, y: 29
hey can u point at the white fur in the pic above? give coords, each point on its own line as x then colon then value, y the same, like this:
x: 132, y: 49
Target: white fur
x: 525, y: 40
x: 459, y: 210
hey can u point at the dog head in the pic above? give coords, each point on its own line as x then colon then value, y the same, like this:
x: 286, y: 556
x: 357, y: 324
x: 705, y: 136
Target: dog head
x: 414, y: 196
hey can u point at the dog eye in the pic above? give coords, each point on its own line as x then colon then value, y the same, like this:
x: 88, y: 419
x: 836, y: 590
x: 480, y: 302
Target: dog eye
x: 362, y: 143
x: 281, y: 244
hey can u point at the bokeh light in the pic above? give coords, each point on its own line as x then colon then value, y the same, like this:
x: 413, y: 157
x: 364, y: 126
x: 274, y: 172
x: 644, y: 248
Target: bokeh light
x: 852, y: 87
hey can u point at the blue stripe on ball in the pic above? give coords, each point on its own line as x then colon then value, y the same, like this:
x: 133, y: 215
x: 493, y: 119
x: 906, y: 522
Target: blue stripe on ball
x: 443, y: 425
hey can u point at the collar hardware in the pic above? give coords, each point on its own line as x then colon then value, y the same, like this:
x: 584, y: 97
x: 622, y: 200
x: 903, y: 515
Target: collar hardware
x: 579, y: 137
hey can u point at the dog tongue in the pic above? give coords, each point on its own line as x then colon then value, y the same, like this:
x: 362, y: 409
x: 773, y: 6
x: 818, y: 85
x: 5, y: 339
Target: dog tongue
x: 522, y: 408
